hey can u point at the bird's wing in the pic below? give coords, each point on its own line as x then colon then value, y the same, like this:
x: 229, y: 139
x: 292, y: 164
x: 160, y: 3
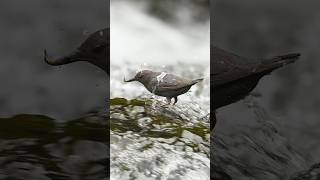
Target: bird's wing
x: 228, y: 67
x: 172, y: 82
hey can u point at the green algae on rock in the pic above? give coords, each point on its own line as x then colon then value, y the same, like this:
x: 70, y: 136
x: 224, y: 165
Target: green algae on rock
x: 146, y: 135
x: 138, y: 115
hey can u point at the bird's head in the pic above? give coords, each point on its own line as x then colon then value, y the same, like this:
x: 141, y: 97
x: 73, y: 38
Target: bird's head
x: 141, y: 76
x: 95, y: 50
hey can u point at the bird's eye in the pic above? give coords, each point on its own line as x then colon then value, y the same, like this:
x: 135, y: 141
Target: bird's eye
x: 139, y: 75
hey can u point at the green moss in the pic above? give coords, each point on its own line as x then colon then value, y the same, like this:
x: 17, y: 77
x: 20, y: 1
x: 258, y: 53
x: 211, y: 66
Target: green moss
x: 159, y: 134
x: 161, y: 119
x: 200, y: 130
x: 80, y: 129
x: 179, y: 131
x: 118, y: 101
x: 124, y: 167
x: 25, y: 126
x: 136, y: 102
x: 132, y: 102
x: 171, y: 125
x: 146, y: 147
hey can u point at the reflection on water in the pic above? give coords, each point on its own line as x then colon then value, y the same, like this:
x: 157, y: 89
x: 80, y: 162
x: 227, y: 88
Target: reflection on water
x: 37, y: 147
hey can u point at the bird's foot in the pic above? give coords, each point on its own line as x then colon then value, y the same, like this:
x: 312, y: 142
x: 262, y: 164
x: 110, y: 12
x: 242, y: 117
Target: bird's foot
x: 175, y: 100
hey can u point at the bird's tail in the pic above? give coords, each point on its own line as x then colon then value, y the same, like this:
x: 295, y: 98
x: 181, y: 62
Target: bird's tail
x: 279, y: 61
x: 197, y: 80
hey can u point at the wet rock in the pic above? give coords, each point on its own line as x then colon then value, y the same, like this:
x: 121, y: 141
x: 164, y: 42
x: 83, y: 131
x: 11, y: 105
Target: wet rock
x: 157, y: 141
x: 192, y: 137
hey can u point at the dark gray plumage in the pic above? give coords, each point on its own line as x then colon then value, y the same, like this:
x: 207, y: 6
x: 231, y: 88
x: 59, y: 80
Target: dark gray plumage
x: 233, y: 77
x: 95, y: 50
x: 162, y: 84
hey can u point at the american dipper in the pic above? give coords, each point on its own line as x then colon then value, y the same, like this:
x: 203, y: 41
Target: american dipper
x: 95, y: 50
x: 233, y: 77
x: 163, y: 84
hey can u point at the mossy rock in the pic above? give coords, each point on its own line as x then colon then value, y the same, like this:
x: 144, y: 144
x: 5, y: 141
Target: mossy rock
x: 140, y: 116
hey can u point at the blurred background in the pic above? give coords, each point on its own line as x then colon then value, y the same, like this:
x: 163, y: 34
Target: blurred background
x: 290, y: 97
x: 50, y: 127
x: 28, y: 85
x: 160, y: 32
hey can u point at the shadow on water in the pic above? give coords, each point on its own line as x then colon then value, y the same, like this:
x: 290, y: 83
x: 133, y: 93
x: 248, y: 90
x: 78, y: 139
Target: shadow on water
x: 37, y: 147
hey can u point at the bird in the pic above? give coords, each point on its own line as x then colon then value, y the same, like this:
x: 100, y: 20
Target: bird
x: 163, y: 84
x: 233, y: 77
x: 95, y: 50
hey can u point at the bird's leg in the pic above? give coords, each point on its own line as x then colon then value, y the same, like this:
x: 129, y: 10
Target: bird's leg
x: 175, y: 100
x: 168, y: 100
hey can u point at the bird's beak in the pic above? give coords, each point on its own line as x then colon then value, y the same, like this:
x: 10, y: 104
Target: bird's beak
x: 74, y: 56
x: 130, y: 80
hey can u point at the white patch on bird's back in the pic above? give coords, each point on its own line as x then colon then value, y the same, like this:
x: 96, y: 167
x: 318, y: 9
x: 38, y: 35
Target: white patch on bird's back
x: 161, y: 76
x: 159, y: 80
